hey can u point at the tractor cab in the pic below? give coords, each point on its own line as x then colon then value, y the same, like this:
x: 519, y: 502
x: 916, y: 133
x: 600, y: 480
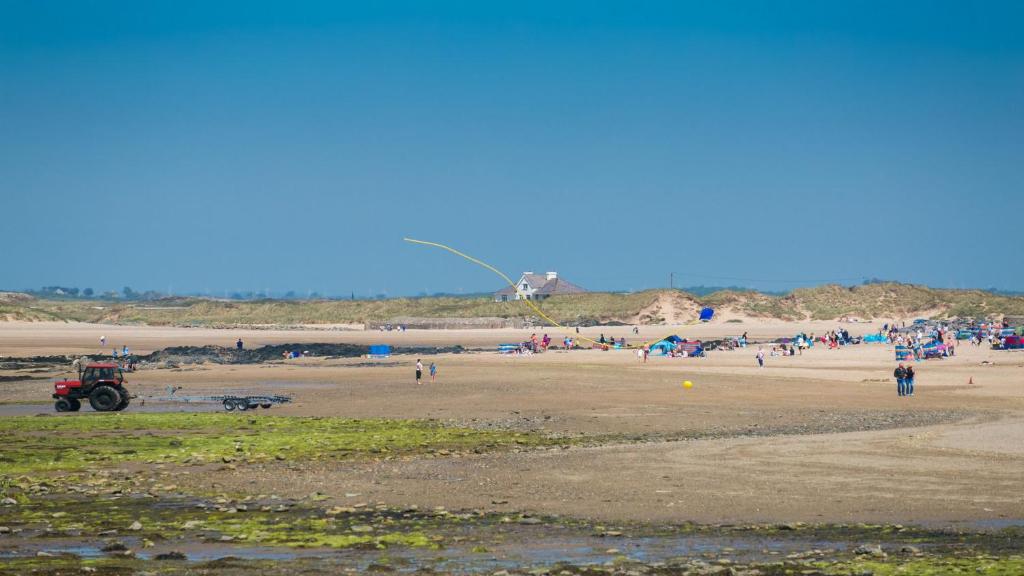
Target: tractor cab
x: 106, y: 373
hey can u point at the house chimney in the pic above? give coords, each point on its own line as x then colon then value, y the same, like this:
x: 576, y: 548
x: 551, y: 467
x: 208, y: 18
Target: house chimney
x: 552, y: 275
x: 527, y: 273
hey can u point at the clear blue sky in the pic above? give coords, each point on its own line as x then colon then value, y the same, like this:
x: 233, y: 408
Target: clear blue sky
x: 254, y: 145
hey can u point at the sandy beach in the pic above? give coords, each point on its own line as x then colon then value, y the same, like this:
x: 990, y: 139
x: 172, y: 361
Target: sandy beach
x: 818, y: 437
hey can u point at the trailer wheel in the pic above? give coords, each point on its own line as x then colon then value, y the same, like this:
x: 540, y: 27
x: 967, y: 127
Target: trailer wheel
x: 62, y: 405
x: 265, y: 406
x: 242, y: 404
x: 229, y: 404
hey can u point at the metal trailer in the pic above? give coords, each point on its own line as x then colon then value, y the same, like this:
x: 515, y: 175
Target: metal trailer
x: 240, y: 401
x: 243, y: 403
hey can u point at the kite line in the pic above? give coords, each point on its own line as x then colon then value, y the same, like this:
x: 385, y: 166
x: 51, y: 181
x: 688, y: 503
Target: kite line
x: 514, y: 287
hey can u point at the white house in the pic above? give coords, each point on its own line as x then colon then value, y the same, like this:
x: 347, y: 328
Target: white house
x: 537, y: 287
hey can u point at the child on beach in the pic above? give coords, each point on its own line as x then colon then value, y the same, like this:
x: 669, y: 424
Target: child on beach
x: 433, y: 372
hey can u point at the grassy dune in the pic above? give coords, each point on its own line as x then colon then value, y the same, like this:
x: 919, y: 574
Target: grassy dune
x: 889, y: 300
x: 196, y: 311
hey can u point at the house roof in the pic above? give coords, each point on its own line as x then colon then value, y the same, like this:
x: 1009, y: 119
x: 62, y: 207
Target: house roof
x: 559, y: 286
x: 543, y: 286
x: 534, y: 280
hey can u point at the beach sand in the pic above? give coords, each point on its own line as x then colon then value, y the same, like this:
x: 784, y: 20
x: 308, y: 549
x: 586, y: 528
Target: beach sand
x: 820, y: 437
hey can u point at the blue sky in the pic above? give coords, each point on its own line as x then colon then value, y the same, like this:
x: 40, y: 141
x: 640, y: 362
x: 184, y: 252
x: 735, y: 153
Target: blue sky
x: 290, y: 146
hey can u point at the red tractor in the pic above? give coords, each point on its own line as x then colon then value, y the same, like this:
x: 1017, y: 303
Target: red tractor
x: 102, y: 384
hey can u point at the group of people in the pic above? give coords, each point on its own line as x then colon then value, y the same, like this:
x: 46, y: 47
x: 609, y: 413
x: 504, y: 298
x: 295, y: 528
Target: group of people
x: 835, y: 338
x: 917, y: 339
x: 783, y: 350
x: 621, y: 342
x: 939, y: 344
x: 122, y: 358
x: 534, y: 344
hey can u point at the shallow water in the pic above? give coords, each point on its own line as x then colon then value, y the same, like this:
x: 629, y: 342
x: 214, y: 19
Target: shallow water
x: 524, y: 547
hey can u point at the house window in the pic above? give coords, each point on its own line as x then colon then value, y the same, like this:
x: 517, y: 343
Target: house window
x: 525, y: 286
x: 504, y: 297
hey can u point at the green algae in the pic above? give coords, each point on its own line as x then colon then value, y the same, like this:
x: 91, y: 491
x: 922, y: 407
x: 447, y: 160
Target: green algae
x: 57, y: 457
x: 34, y: 444
x: 97, y: 473
x: 229, y: 522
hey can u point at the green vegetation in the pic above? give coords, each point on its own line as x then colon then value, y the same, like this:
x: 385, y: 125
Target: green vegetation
x: 33, y: 444
x: 247, y: 521
x: 92, y: 474
x: 10, y: 311
x: 882, y: 300
x: 202, y: 312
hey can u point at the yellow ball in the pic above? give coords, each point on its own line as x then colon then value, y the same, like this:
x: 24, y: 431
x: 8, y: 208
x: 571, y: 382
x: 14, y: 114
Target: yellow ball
x: 687, y: 384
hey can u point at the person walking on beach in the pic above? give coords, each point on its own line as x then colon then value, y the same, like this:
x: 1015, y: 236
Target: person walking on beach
x: 901, y: 380
x: 433, y: 372
x: 419, y: 371
x: 760, y: 357
x: 908, y: 386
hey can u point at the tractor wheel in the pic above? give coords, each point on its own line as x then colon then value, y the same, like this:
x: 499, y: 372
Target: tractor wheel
x: 229, y: 404
x: 125, y: 400
x: 62, y: 405
x: 104, y: 398
x: 76, y: 404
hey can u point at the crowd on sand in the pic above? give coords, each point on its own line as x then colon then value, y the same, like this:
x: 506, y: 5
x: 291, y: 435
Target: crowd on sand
x: 537, y: 344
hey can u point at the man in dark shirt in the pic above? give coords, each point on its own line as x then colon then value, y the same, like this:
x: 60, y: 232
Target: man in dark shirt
x: 901, y: 380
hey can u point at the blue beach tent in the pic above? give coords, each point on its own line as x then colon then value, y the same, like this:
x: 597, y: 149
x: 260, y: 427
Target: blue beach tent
x: 380, y: 351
